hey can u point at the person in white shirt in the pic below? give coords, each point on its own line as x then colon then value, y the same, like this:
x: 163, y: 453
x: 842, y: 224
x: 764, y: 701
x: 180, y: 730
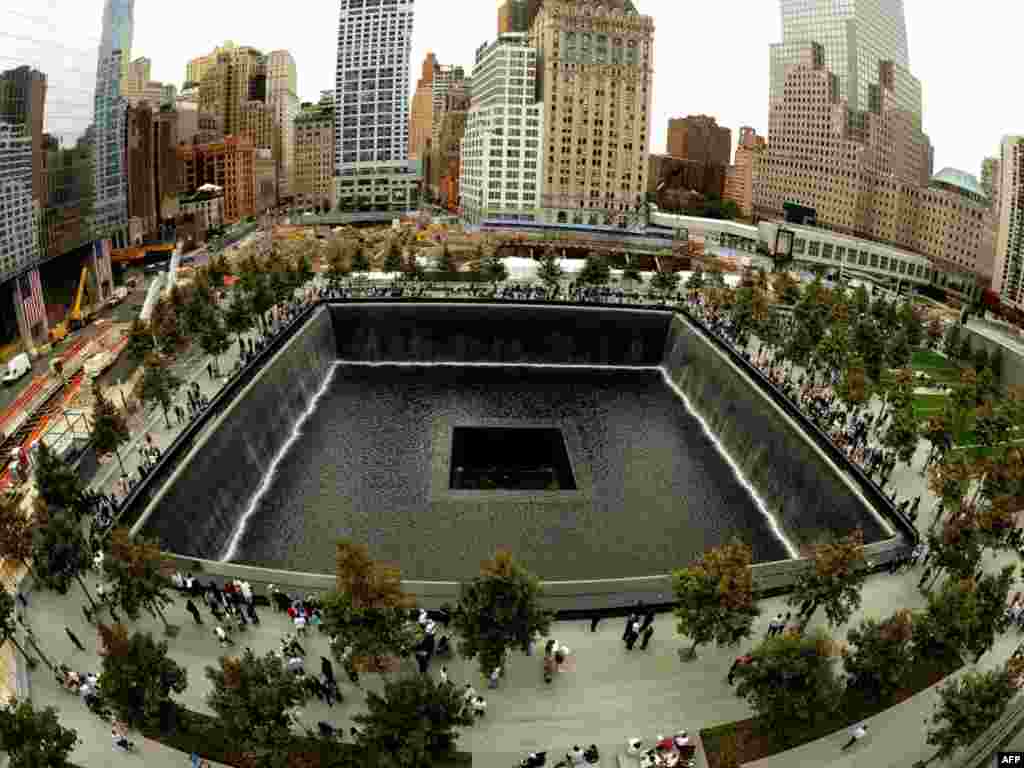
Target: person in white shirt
x: 576, y: 755
x: 300, y: 624
x: 857, y: 733
x: 479, y: 706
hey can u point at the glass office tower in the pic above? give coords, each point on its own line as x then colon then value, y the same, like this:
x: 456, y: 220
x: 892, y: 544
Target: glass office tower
x: 111, y: 179
x: 857, y: 36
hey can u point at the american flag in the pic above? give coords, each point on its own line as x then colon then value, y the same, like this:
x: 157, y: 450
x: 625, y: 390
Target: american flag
x: 31, y: 296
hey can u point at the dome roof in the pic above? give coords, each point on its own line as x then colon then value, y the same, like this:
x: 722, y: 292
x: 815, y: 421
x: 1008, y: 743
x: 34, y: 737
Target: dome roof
x: 961, y: 180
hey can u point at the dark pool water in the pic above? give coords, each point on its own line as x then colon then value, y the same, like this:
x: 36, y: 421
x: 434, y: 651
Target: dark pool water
x: 371, y: 464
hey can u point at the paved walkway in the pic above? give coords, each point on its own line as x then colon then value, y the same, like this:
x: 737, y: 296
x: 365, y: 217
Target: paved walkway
x: 605, y: 696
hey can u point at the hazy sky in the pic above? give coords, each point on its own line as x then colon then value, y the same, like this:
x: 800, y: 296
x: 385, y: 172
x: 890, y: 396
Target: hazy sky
x: 709, y: 57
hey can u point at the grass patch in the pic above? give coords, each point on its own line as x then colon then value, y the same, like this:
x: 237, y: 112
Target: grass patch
x: 743, y: 741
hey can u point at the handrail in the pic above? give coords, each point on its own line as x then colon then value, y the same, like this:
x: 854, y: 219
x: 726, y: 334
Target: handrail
x: 147, y: 488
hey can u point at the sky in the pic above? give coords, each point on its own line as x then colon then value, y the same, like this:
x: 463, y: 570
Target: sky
x: 709, y: 58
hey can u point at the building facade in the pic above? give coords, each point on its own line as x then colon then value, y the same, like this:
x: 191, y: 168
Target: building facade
x: 195, y: 69
x: 866, y: 176
x: 991, y: 179
x: 699, y: 138
x: 229, y: 164
x: 1008, y: 279
x: 110, y: 209
x: 501, y: 162
x: 372, y: 169
x: 595, y: 82
x: 283, y: 96
x: 313, y: 182
x: 19, y: 211
x: 421, y: 115
x: 23, y: 103
x: 445, y: 78
x: 857, y: 36
x: 739, y: 177
x: 516, y: 15
x: 205, y: 206
x: 142, y: 210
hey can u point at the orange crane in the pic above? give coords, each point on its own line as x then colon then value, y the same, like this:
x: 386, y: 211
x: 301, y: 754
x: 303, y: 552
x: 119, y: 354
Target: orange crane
x: 75, y: 316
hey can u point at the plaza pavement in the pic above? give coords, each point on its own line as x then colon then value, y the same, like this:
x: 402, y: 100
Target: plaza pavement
x: 605, y: 696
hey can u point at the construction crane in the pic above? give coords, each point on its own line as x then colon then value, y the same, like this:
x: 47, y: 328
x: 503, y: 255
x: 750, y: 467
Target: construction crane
x: 75, y: 317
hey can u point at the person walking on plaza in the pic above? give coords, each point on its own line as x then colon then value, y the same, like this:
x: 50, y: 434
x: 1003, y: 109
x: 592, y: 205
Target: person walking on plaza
x: 191, y: 608
x: 646, y: 637
x: 857, y: 733
x: 633, y: 634
x: 74, y: 639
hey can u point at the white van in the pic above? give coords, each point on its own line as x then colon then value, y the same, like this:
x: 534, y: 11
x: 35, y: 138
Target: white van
x: 17, y: 367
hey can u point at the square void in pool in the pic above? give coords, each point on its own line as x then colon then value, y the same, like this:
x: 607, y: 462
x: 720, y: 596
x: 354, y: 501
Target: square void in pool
x: 510, y: 459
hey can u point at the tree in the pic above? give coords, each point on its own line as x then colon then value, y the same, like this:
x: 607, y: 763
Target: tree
x: 550, y: 271
x: 339, y: 262
x: 880, y: 654
x: 58, y: 483
x: 968, y: 706
x: 16, y: 531
x: 413, y: 724
x: 109, y: 426
x: 138, y: 677
x: 393, y: 256
x: 254, y: 698
x: 60, y: 551
x: 217, y: 269
x: 964, y: 616
x: 787, y: 289
x: 368, y: 610
x: 964, y: 353
x: 951, y: 343
x: 715, y: 597
x: 140, y: 341
x: 861, y: 301
x: 500, y: 609
x: 632, y: 273
x: 934, y: 333
x: 898, y: 353
x: 446, y: 261
x: 9, y: 626
x: 595, y: 271
x: 238, y: 317
x: 833, y: 581
x: 214, y: 339
x: 139, y: 575
x: 833, y: 351
x: 34, y: 738
x: 853, y: 387
x: 901, y: 434
x: 696, y: 280
x: 360, y: 263
x: 667, y: 282
x: 791, y: 680
x: 912, y: 324
x: 159, y: 385
x: 493, y: 268
x: 869, y: 345
x: 166, y: 328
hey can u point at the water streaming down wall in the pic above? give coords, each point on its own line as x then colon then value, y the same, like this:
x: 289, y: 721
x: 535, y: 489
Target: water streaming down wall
x: 199, y: 511
x: 800, y: 487
x: 200, y: 508
x: 499, y: 334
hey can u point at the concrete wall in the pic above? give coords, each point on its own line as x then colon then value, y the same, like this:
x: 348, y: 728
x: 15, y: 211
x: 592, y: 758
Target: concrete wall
x: 200, y: 506
x: 1013, y: 363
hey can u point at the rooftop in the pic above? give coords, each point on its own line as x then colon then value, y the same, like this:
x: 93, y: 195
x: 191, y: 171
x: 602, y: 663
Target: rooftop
x: 959, y: 180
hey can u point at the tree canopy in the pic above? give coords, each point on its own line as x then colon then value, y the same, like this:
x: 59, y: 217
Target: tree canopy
x: 34, y: 738
x: 715, y: 597
x: 499, y: 610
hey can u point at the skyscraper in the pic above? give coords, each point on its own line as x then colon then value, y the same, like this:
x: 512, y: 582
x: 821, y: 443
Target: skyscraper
x: 111, y: 206
x: 595, y: 78
x: 372, y: 105
x: 1008, y: 280
x: 856, y: 36
x: 421, y: 117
